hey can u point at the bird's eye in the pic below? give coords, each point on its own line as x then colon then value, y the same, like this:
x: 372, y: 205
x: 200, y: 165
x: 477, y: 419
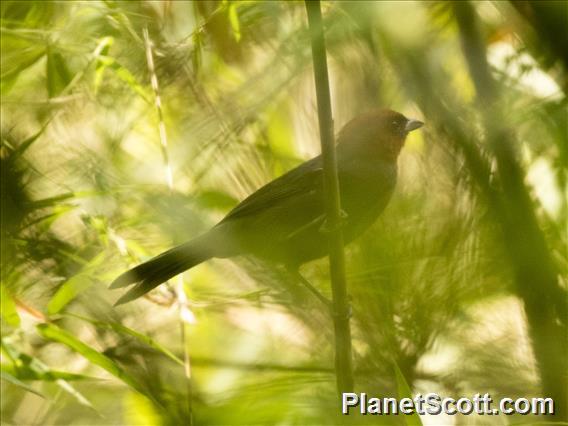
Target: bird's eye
x: 395, y: 124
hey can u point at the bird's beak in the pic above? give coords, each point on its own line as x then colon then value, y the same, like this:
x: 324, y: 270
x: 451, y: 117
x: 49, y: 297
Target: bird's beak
x: 413, y: 125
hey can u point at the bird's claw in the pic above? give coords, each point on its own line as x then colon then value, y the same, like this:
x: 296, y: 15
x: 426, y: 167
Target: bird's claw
x: 325, y: 228
x: 347, y: 315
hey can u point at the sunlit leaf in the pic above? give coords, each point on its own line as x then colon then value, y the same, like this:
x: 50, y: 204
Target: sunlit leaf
x: 234, y: 20
x: 137, y: 410
x: 101, y: 50
x: 107, y: 62
x: 8, y: 307
x: 74, y: 286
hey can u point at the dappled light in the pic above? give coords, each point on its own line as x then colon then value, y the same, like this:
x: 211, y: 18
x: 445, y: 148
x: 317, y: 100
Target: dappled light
x: 129, y: 128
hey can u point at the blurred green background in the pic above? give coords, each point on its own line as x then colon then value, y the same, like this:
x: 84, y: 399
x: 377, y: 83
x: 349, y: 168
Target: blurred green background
x: 460, y: 285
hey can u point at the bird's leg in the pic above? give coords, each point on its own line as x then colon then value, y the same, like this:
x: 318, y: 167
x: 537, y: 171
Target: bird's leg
x: 300, y: 278
x: 326, y: 229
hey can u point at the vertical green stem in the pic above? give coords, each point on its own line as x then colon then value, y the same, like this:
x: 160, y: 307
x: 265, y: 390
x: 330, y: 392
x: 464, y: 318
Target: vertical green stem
x: 341, y: 308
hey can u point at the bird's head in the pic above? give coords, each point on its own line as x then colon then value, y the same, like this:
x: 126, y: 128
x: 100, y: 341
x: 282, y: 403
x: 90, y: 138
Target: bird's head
x: 377, y: 133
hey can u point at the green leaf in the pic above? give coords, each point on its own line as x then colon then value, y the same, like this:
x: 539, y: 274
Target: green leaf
x: 7, y: 377
x: 122, y: 73
x: 234, y: 20
x: 56, y: 334
x: 10, y: 77
x: 403, y: 390
x: 58, y: 75
x: 102, y: 49
x: 8, y: 307
x: 74, y: 286
x: 29, y: 371
x: 67, y: 292
x: 119, y: 328
x: 53, y: 201
x: 47, y: 220
x: 26, y: 367
x: 196, y: 54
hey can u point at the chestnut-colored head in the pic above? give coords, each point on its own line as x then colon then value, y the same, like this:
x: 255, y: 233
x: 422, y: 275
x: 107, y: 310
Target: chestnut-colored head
x: 377, y: 133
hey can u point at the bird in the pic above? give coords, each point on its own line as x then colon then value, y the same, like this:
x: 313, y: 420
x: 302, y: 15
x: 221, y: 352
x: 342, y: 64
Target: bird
x: 283, y: 222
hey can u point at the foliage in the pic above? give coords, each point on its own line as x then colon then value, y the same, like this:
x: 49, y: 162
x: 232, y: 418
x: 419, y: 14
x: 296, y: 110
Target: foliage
x: 441, y: 287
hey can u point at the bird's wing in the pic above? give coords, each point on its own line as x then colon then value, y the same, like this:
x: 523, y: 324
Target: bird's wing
x: 305, y: 179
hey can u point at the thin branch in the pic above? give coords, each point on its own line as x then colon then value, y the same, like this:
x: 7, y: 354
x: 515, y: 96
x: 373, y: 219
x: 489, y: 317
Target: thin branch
x: 302, y: 280
x: 179, y: 290
x: 341, y: 309
x: 158, y: 103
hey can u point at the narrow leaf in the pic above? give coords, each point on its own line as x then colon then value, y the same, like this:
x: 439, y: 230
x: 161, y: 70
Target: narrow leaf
x: 404, y: 391
x: 26, y: 367
x: 29, y: 372
x: 119, y: 328
x: 74, y: 286
x: 22, y: 147
x: 234, y: 20
x: 7, y: 377
x: 8, y: 307
x: 58, y: 75
x: 56, y: 334
x: 10, y: 77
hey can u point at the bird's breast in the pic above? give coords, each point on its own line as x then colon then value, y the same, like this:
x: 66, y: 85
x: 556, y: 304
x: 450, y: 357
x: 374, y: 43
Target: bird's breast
x: 365, y: 191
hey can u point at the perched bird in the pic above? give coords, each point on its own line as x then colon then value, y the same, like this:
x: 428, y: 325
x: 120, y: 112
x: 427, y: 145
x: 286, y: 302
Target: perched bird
x: 282, y: 221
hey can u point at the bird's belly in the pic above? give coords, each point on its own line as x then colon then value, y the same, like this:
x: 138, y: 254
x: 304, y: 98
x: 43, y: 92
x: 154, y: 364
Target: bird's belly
x: 363, y: 215
x: 365, y: 204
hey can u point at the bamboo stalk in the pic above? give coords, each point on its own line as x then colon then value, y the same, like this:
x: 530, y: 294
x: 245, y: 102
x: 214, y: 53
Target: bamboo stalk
x: 340, y: 303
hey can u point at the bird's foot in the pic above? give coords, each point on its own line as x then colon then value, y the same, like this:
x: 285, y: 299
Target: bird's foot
x: 326, y: 228
x: 345, y: 315
x: 344, y: 312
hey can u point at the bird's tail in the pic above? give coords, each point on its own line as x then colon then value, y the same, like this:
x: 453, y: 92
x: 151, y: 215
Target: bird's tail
x: 161, y: 268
